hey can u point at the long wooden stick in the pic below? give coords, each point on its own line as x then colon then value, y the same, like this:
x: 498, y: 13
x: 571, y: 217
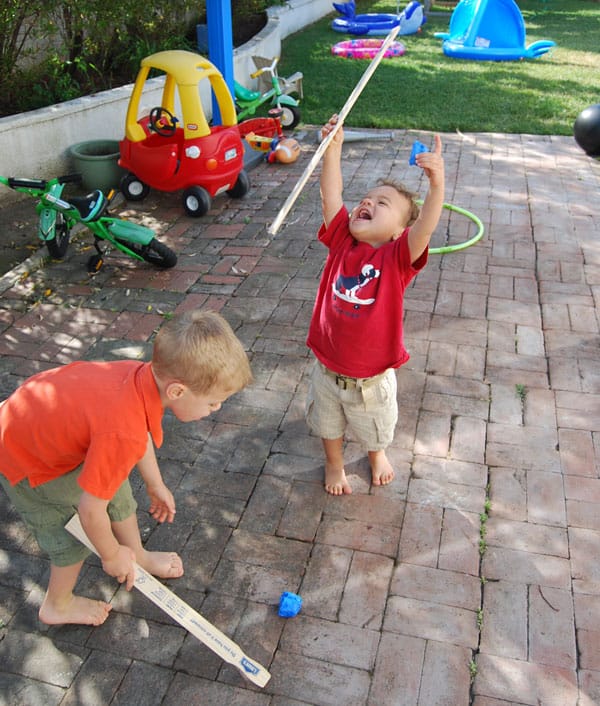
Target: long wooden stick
x: 185, y: 615
x: 348, y: 105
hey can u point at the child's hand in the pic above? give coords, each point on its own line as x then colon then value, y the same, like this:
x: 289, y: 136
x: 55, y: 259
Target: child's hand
x: 432, y: 163
x: 162, y: 503
x: 121, y: 566
x: 328, y: 127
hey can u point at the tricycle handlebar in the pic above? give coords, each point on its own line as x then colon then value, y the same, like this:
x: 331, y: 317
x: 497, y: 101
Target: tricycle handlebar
x: 39, y: 184
x: 270, y: 69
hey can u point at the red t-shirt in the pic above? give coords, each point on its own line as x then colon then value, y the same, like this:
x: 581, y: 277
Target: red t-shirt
x: 98, y: 414
x: 356, y: 325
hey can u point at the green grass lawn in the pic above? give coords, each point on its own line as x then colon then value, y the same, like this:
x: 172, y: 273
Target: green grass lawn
x: 426, y: 90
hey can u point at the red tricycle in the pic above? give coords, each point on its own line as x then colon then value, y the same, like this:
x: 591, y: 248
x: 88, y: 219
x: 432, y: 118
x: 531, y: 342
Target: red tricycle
x: 170, y: 153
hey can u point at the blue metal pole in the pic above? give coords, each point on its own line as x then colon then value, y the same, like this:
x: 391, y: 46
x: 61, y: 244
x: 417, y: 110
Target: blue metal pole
x: 220, y: 43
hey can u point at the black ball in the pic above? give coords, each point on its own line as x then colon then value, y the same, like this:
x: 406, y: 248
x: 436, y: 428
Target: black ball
x: 586, y: 130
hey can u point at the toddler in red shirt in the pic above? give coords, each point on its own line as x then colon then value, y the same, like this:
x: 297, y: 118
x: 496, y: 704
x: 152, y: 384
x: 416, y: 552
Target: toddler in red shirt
x: 356, y: 326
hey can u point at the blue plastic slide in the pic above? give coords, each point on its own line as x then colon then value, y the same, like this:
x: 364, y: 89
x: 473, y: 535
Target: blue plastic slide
x: 491, y: 30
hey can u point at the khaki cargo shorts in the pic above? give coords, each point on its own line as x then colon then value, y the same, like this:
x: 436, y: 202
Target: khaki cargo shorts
x: 366, y: 406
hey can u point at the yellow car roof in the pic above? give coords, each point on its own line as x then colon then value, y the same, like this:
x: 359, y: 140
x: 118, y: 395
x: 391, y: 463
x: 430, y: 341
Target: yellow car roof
x: 183, y: 65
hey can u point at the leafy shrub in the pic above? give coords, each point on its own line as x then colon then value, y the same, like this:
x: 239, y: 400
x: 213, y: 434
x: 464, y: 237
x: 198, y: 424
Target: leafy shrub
x: 92, y: 46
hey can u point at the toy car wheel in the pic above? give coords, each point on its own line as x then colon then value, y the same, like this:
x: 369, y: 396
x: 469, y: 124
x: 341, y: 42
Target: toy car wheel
x: 133, y: 189
x: 290, y: 116
x: 241, y: 186
x: 196, y: 201
x: 57, y: 247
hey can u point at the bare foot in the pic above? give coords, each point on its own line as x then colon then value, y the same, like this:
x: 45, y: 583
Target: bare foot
x: 382, y: 472
x: 336, y: 482
x: 78, y: 610
x: 165, y: 565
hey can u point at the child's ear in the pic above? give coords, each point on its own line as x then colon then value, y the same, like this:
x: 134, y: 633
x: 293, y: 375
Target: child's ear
x: 175, y: 390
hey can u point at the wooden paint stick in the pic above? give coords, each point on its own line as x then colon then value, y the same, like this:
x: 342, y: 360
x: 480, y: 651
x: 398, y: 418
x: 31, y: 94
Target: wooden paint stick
x: 342, y: 115
x: 185, y: 615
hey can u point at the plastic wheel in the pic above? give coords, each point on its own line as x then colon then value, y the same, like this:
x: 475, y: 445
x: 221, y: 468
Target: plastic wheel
x: 57, y: 247
x: 241, y: 186
x: 94, y: 264
x: 155, y: 253
x: 133, y: 189
x: 196, y: 201
x: 290, y: 116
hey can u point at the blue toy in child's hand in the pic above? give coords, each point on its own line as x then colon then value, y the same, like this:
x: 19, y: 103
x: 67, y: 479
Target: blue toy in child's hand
x: 289, y: 605
x: 417, y: 148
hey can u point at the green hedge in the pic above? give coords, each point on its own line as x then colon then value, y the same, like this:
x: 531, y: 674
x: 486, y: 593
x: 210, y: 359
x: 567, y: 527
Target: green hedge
x: 89, y: 45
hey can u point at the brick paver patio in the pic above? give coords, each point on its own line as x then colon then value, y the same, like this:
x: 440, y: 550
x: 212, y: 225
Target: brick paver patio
x: 473, y: 579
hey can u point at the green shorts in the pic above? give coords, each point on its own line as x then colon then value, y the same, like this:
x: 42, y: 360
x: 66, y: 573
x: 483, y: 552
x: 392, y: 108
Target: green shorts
x: 47, y: 508
x: 366, y: 406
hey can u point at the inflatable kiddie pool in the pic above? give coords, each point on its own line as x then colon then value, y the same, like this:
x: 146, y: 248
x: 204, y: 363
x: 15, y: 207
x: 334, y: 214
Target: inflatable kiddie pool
x: 373, y: 23
x: 366, y: 48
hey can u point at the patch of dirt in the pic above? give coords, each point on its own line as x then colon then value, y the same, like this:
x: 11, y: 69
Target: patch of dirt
x: 18, y: 233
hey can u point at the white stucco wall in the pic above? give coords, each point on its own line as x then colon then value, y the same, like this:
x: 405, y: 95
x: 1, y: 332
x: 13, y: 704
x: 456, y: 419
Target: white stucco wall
x: 35, y: 144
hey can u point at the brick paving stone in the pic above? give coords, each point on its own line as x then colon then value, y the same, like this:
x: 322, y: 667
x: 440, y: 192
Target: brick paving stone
x: 202, y: 692
x: 527, y: 537
x: 446, y: 677
x: 487, y: 701
x: 448, y: 495
x: 397, y: 675
x: 440, y: 586
x: 589, y: 693
x: 365, y: 590
x: 526, y: 567
x: 468, y: 440
x: 578, y: 411
x: 421, y: 533
x: 519, y: 681
x: 317, y: 682
x: 324, y: 580
x: 508, y: 493
x: 582, y: 488
x: 363, y: 536
x: 100, y: 679
x: 459, y: 546
x: 551, y: 627
x: 303, y: 511
x: 55, y: 662
x: 577, y: 454
x: 332, y: 642
x: 522, y: 447
x: 431, y: 621
x: 505, y: 620
x: 585, y: 553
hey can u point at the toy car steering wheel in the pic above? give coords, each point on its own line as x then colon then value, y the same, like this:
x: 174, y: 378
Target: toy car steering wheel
x: 162, y: 122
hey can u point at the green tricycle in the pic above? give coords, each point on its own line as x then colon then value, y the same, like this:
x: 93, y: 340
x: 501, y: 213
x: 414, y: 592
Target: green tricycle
x: 58, y: 215
x: 277, y: 96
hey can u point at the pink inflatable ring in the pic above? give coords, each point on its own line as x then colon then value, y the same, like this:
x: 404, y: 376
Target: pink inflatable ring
x: 366, y: 48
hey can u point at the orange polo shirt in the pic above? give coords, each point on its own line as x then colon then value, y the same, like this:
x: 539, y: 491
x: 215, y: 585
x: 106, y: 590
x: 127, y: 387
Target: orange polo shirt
x: 91, y: 413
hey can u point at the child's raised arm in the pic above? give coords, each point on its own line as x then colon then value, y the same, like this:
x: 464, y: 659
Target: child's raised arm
x: 422, y: 229
x: 332, y: 184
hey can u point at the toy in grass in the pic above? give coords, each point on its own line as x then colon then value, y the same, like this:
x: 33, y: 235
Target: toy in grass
x: 373, y: 23
x: 491, y: 30
x: 366, y: 49
x: 586, y: 130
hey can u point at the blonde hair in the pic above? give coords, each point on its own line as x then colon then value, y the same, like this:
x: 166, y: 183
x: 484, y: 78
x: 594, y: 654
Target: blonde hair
x: 200, y: 350
x: 411, y: 197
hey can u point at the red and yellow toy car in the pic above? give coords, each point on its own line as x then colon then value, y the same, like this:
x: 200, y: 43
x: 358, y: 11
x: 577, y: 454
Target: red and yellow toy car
x: 173, y: 149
